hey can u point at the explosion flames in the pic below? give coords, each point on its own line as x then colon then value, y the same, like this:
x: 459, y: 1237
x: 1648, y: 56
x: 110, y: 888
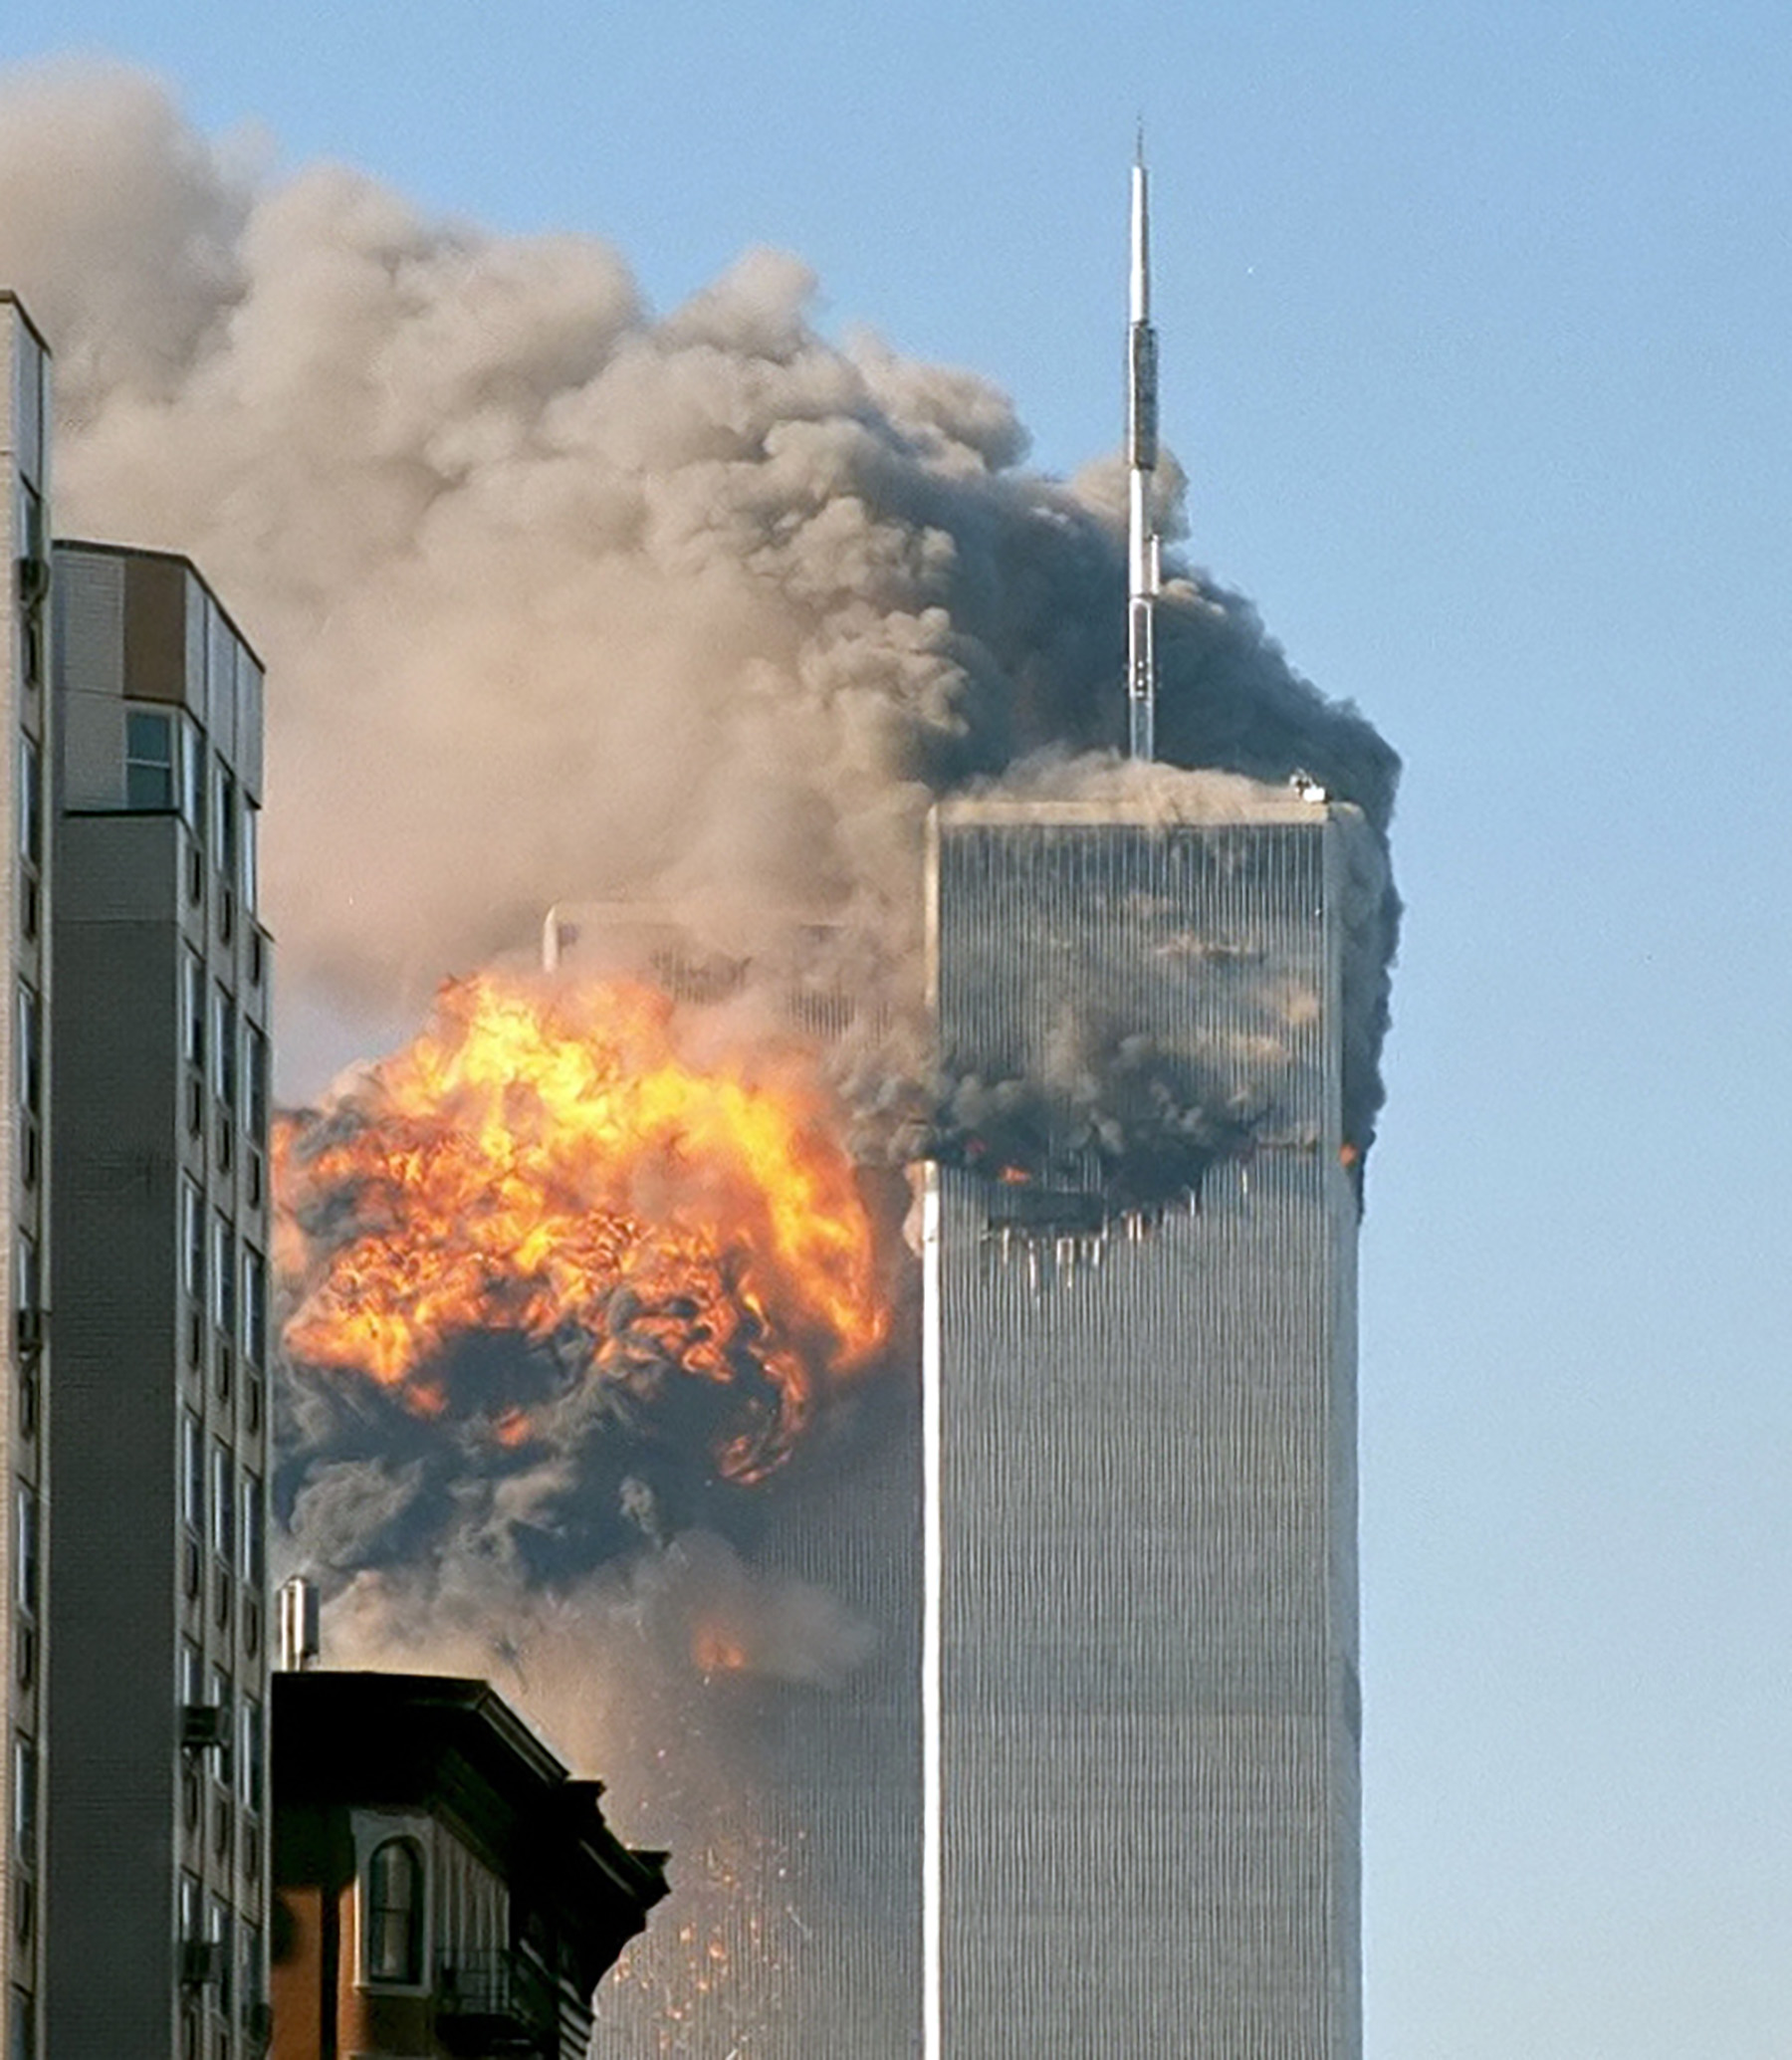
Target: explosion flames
x: 544, y: 1169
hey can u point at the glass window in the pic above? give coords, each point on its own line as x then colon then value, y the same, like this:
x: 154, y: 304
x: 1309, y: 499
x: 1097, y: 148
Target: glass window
x: 31, y: 1054
x: 250, y: 1755
x: 221, y: 1699
x: 192, y: 1474
x: 29, y: 1284
x: 224, y: 814
x: 251, y: 855
x: 257, y: 1083
x: 26, y: 1533
x: 255, y: 1565
x: 251, y: 1968
x: 395, y: 1913
x: 255, y: 1306
x: 223, y: 1275
x: 31, y: 801
x: 23, y: 2043
x: 149, y: 760
x: 189, y: 1906
x: 217, y: 1931
x: 192, y: 1209
x: 223, y: 1503
x: 34, y: 582
x: 34, y: 536
x: 192, y: 1026
x: 224, y: 1052
x: 25, y: 1799
x: 192, y: 1674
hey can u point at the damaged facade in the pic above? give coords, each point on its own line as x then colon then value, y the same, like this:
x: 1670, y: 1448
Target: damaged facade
x: 1140, y: 1675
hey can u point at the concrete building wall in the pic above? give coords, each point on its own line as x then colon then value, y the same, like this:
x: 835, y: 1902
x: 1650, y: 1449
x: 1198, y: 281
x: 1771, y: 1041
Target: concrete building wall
x: 157, y: 1798
x: 25, y: 659
x: 1142, y: 1707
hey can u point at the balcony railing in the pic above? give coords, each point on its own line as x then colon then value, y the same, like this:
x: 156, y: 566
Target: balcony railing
x: 495, y: 2002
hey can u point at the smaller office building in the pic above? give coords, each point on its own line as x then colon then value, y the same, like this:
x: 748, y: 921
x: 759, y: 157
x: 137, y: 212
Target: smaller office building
x: 441, y: 1885
x: 157, y: 1653
x: 25, y: 1172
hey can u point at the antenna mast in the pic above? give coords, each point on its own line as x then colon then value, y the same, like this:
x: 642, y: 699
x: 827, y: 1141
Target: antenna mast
x: 1142, y: 580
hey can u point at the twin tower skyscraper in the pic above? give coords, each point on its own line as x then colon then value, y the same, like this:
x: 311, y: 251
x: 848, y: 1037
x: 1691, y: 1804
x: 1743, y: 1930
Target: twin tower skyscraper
x: 1141, y: 1710
x: 1136, y: 1712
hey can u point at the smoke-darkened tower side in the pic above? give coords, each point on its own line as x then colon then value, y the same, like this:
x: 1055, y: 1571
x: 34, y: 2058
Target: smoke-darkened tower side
x: 1142, y: 1709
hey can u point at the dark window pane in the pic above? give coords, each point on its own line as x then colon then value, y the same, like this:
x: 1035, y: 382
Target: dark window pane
x: 394, y: 1913
x: 148, y: 760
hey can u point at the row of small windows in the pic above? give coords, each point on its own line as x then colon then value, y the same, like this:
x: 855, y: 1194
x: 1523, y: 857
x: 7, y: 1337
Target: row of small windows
x: 25, y: 1798
x: 166, y: 768
x: 227, y: 1264
x: 28, y: 1037
x: 27, y: 1581
x: 32, y: 581
x: 32, y: 576
x: 245, y: 1754
x: 208, y: 1932
x: 28, y: 1326
x: 31, y: 1050
x: 235, y: 1059
x: 31, y: 835
x: 27, y: 1558
x: 31, y: 800
x: 234, y: 1503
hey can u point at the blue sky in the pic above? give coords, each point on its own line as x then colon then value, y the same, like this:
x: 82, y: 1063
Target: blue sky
x: 1473, y: 325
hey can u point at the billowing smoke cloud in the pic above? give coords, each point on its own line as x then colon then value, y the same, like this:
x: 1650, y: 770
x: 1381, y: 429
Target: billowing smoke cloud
x: 567, y: 599
x: 562, y: 598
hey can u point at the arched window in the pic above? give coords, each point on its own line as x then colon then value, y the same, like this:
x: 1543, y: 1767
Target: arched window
x: 395, y: 1913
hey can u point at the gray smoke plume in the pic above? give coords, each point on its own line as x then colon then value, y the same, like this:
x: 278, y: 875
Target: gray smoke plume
x: 564, y: 598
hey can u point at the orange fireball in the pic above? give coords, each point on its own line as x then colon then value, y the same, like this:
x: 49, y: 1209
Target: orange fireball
x: 545, y: 1163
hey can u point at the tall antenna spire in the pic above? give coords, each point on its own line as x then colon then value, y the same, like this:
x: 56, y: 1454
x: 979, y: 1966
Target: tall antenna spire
x: 1142, y: 578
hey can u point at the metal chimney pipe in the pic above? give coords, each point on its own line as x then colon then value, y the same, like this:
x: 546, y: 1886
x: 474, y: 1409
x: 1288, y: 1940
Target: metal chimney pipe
x: 299, y: 1643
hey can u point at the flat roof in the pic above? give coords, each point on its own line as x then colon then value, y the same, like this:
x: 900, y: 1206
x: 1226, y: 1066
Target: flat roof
x: 170, y: 558
x: 11, y: 300
x: 1147, y: 811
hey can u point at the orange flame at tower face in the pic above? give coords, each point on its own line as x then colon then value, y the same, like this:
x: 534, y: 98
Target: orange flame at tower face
x: 545, y: 1164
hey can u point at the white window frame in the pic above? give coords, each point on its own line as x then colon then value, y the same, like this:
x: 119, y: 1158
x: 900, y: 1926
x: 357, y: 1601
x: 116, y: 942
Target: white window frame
x: 373, y: 1828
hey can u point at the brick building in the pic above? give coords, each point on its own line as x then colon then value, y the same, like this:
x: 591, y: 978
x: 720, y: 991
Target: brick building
x: 441, y: 1885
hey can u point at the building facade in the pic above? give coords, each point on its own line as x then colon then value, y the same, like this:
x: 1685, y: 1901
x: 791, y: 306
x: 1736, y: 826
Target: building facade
x: 1141, y: 1708
x: 155, y: 1911
x: 442, y: 1885
x: 25, y: 684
